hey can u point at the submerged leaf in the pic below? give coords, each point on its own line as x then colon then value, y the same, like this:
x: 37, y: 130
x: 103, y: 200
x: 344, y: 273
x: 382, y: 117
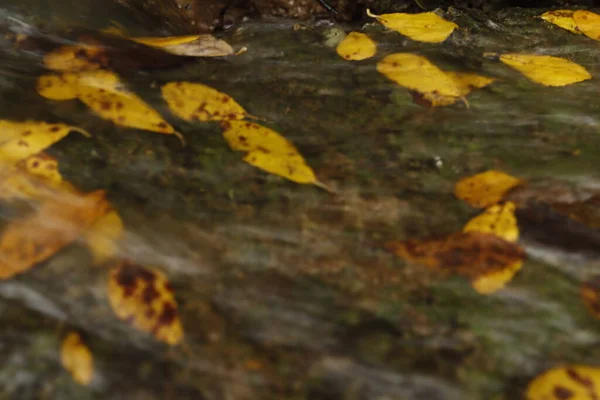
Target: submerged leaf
x: 197, y: 102
x: 563, y: 19
x: 485, y: 189
x: 546, y: 70
x: 268, y: 150
x: 77, y: 358
x: 102, y: 237
x: 588, y: 23
x: 144, y: 298
x: 356, y: 46
x: 75, y: 58
x: 191, y: 46
x: 58, y: 87
x: 465, y: 81
x: 43, y: 166
x: 570, y: 382
x: 499, y: 220
x: 422, y: 27
x: 474, y: 255
x: 417, y: 73
x: 57, y: 223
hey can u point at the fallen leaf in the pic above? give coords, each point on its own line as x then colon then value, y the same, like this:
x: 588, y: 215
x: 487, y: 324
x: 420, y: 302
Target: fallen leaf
x: 499, y: 220
x: 191, y: 46
x: 417, y: 73
x: 77, y: 358
x: 58, y: 86
x: 465, y: 81
x: 563, y: 19
x: 75, y: 58
x: 473, y: 255
x: 570, y: 382
x: 546, y: 70
x: 268, y: 150
x: 485, y: 189
x: 197, y: 102
x: 492, y: 282
x: 423, y: 27
x: 587, y: 23
x: 43, y: 166
x: 29, y: 138
x: 356, y: 46
x: 58, y: 222
x: 590, y: 294
x: 102, y: 237
x: 144, y: 298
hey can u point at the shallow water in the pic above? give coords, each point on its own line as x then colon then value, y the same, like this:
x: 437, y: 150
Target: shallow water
x: 284, y: 290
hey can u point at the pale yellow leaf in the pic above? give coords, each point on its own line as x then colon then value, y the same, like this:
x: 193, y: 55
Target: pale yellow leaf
x: 465, y: 81
x: 422, y: 27
x: 103, y: 236
x: 77, y: 358
x: 356, y: 46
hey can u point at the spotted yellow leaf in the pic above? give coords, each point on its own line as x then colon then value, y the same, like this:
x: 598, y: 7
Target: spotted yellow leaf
x: 563, y: 19
x: 465, y: 81
x: 30, y: 137
x: 197, y: 102
x: 144, y: 298
x: 268, y: 150
x: 103, y: 236
x: 423, y: 27
x: 58, y: 86
x: 42, y: 166
x: 77, y: 358
x: 498, y: 219
x: 569, y: 382
x: 418, y: 73
x: 58, y: 222
x: 588, y: 23
x: 356, y: 46
x: 546, y: 70
x: 485, y: 189
x: 75, y: 58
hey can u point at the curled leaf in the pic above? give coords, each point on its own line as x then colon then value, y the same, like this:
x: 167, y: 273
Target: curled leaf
x: 587, y: 23
x: 268, y: 150
x: 191, y: 46
x: 143, y: 298
x: 77, y: 358
x: 570, y: 382
x: 485, y: 189
x: 563, y: 19
x: 102, y: 237
x: 197, y: 102
x: 356, y: 46
x: 423, y: 27
x: 546, y: 70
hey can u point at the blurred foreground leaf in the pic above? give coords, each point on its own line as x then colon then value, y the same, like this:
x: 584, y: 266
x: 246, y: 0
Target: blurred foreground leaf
x: 77, y: 358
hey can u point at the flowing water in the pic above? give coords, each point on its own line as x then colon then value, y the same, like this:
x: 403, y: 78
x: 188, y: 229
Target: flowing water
x: 284, y: 290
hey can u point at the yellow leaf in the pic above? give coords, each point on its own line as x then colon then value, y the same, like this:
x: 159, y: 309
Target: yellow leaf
x: 191, y: 46
x: 499, y: 220
x: 77, y: 358
x: 588, y: 23
x: 197, y: 102
x: 417, y: 73
x: 43, y: 166
x: 572, y: 382
x: 485, y: 189
x: 465, y: 82
x: 356, y: 46
x: 57, y: 223
x: 269, y: 151
x: 58, y: 87
x: 75, y: 58
x: 33, y: 137
x: 105, y: 95
x: 102, y: 237
x: 492, y: 282
x: 563, y: 19
x: 165, y: 41
x: 144, y: 298
x: 546, y: 70
x: 422, y: 27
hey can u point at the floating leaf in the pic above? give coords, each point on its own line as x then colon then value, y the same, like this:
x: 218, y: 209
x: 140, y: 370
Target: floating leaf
x: 491, y: 282
x: 474, y: 255
x: 417, y: 73
x: 422, y: 27
x: 197, y: 102
x: 143, y: 298
x: 563, y: 19
x: 590, y: 294
x: 192, y: 45
x: 486, y: 188
x: 268, y: 150
x: 465, y: 81
x: 571, y: 382
x: 356, y: 46
x: 77, y: 358
x: 499, y: 220
x: 42, y: 166
x: 103, y: 235
x: 57, y: 223
x: 75, y: 58
x: 546, y: 70
x: 588, y: 23
x: 58, y: 87
x: 30, y: 137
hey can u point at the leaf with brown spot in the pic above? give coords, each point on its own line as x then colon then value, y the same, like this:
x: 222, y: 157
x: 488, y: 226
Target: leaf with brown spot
x: 43, y: 166
x: 143, y: 298
x: 588, y: 23
x: 569, y: 382
x: 75, y: 58
x: 485, y: 189
x: 58, y: 86
x: 77, y: 358
x: 58, y: 222
x: 472, y: 255
x: 563, y: 19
